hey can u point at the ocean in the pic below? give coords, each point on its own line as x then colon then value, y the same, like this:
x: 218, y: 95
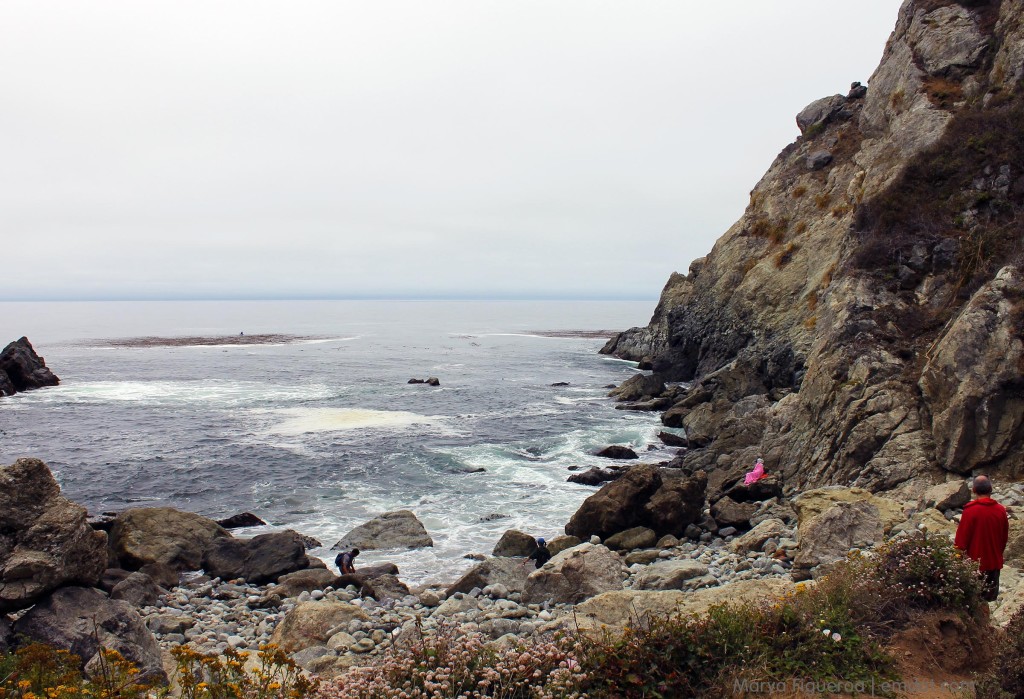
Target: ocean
x: 318, y: 429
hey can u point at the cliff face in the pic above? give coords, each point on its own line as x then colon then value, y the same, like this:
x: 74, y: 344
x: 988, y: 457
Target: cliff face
x: 861, y: 323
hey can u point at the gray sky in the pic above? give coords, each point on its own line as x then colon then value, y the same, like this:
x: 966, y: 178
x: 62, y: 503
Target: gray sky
x: 329, y: 148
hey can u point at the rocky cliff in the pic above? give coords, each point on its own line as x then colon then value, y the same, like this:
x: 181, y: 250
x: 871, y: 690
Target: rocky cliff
x: 861, y: 323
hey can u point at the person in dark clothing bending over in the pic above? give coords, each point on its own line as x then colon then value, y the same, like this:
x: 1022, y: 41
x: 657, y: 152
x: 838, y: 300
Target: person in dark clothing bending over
x: 346, y: 561
x: 982, y: 535
x: 540, y: 554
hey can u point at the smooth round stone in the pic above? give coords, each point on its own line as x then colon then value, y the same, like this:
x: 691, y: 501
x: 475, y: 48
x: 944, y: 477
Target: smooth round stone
x: 236, y: 641
x: 364, y: 645
x: 316, y: 595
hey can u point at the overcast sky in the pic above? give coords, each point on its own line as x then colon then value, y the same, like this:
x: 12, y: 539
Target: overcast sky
x: 330, y: 148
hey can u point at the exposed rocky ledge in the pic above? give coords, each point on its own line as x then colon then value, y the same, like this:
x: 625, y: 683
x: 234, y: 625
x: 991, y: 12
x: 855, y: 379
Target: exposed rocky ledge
x: 21, y: 369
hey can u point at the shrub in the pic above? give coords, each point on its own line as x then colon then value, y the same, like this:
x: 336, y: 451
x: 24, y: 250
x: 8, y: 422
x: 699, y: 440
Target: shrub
x: 799, y: 191
x: 927, y: 572
x: 38, y: 671
x: 448, y: 666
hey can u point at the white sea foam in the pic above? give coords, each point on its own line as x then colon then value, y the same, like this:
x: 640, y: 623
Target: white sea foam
x: 229, y: 393
x: 305, y: 420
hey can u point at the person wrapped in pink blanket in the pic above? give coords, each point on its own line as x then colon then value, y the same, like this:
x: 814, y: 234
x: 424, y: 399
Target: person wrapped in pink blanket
x: 755, y: 475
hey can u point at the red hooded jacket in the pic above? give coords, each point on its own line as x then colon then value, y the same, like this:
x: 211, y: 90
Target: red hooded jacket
x: 983, y: 532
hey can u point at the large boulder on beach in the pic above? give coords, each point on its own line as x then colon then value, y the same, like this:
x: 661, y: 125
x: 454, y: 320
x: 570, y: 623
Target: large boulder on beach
x: 83, y: 620
x: 21, y: 369
x: 618, y: 609
x: 812, y: 503
x: 678, y: 503
x: 163, y: 535
x: 829, y: 536
x: 510, y: 572
x: 616, y: 506
x: 313, y: 623
x: 261, y: 559
x: 630, y: 539
x: 514, y: 543
x: 137, y: 589
x: 294, y: 584
x: 391, y: 530
x: 668, y: 575
x: 645, y: 496
x: 575, y: 575
x: 729, y: 513
x: 45, y: 540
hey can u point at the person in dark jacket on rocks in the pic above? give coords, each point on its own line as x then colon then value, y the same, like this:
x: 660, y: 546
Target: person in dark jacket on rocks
x: 982, y: 535
x: 541, y: 554
x: 346, y: 561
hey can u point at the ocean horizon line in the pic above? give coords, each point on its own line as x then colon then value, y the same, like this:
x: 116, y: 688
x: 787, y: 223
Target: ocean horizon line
x: 381, y: 297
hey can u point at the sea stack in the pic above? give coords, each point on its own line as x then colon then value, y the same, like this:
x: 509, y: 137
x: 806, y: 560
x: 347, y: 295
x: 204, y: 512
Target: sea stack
x: 21, y: 369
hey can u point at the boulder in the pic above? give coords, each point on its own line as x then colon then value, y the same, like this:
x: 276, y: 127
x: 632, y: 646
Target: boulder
x: 83, y: 620
x: 561, y: 543
x: 391, y: 530
x: 21, y: 369
x: 509, y: 572
x: 617, y: 451
x: 111, y: 577
x: 261, y: 559
x: 755, y: 538
x: 819, y: 111
x: 948, y: 496
x: 163, y: 535
x: 163, y: 575
x: 673, y: 440
x: 45, y: 540
x: 729, y: 513
x: 668, y: 575
x: 514, y: 543
x: 596, y: 476
x: 616, y: 506
x: 138, y: 590
x: 929, y: 520
x: 811, y: 503
x: 639, y: 387
x: 677, y: 504
x: 818, y: 159
x: 630, y: 539
x: 311, y: 623
x: 618, y: 609
x: 242, y: 519
x: 164, y: 624
x: 575, y: 575
x: 294, y: 584
x: 387, y: 587
x: 828, y: 537
x: 762, y: 489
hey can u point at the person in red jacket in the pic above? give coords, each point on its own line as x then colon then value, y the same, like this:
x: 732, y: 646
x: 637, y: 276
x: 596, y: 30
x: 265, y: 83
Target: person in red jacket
x: 982, y: 535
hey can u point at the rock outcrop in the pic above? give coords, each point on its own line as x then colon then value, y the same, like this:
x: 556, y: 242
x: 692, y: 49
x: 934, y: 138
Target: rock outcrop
x: 663, y: 500
x: 45, y: 540
x: 163, y: 535
x: 861, y: 323
x: 261, y: 559
x: 575, y: 575
x: 21, y: 369
x: 83, y: 620
x: 391, y: 530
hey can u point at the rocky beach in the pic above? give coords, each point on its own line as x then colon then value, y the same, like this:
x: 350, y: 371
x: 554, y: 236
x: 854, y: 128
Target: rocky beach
x: 859, y: 329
